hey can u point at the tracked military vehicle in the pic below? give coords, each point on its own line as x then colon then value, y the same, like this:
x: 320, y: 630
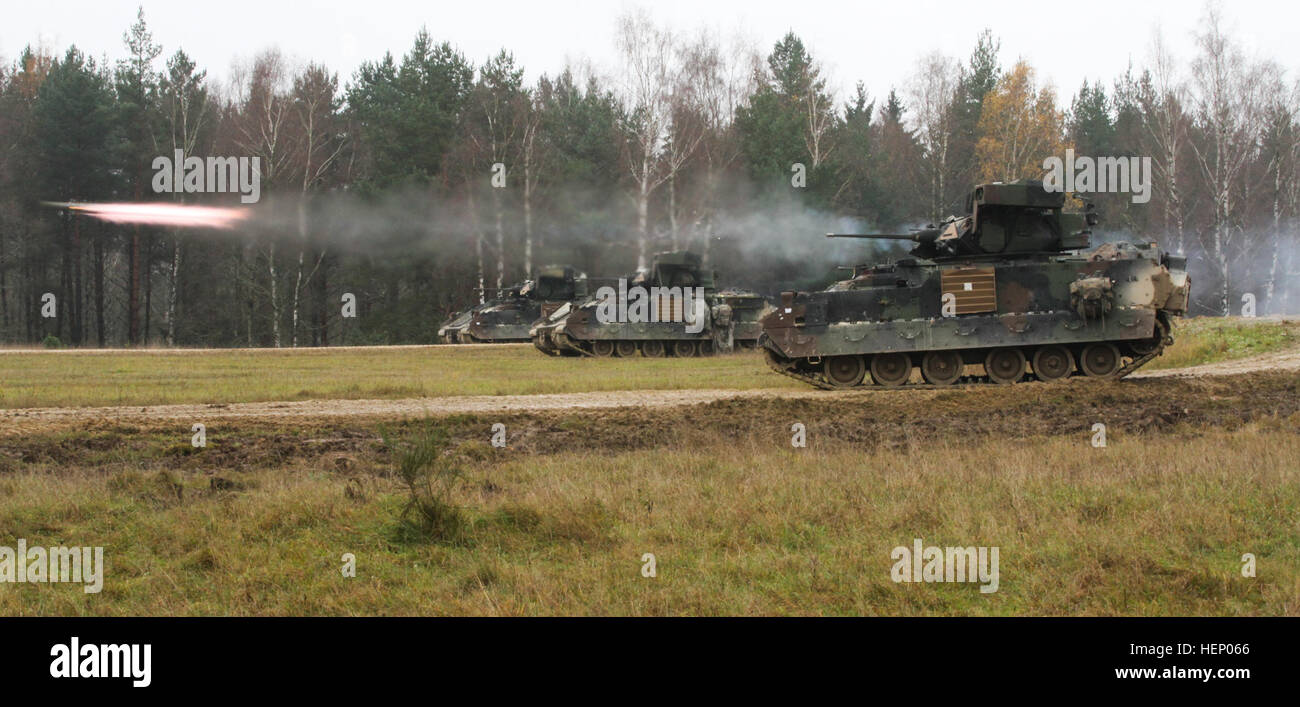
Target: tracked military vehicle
x: 747, y: 310
x: 673, y: 308
x: 507, y: 317
x: 1012, y: 289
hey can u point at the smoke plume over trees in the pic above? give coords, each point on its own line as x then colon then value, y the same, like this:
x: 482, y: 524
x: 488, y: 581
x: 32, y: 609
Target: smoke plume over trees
x: 422, y: 183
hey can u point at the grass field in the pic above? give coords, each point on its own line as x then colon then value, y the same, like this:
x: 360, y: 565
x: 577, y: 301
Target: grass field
x: 1195, y: 474
x: 1214, y: 339
x: 69, y: 378
x: 72, y: 378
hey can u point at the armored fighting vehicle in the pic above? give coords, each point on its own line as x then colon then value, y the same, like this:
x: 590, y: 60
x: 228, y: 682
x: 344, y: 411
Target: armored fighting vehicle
x: 747, y: 310
x: 507, y: 317
x: 1011, y: 289
x: 671, y: 308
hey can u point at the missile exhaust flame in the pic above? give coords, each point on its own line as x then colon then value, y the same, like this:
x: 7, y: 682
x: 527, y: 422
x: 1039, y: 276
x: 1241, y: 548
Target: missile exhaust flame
x: 175, y: 215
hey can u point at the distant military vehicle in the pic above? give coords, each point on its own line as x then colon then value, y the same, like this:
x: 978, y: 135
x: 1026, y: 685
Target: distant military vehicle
x: 507, y: 317
x: 747, y: 310
x: 682, y: 314
x: 1012, y: 287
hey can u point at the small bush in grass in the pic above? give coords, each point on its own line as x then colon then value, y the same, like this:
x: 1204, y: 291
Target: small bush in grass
x: 430, y: 478
x: 51, y: 342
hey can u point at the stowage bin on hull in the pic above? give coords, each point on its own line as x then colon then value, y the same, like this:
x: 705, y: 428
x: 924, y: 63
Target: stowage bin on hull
x: 1012, y: 288
x: 673, y: 309
x: 507, y: 317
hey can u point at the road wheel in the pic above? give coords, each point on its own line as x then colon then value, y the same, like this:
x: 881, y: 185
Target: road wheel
x: 844, y: 371
x: 706, y: 348
x: 683, y: 348
x: 890, y: 369
x: 652, y: 349
x: 602, y: 348
x: 942, y: 367
x: 1053, y: 363
x: 625, y: 348
x: 1005, y: 365
x: 1099, y: 360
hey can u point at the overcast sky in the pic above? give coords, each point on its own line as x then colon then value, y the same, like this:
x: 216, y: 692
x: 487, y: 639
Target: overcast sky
x: 875, y: 42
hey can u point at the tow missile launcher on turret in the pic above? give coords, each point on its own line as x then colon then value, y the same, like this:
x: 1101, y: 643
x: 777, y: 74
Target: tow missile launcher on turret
x: 1009, y: 290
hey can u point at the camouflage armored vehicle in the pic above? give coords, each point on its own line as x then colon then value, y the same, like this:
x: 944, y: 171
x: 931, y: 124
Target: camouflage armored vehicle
x: 1010, y: 289
x: 680, y: 313
x: 507, y: 317
x: 747, y: 310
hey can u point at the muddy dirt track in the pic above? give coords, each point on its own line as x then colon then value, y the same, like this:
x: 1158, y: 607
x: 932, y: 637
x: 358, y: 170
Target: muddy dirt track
x: 24, y: 420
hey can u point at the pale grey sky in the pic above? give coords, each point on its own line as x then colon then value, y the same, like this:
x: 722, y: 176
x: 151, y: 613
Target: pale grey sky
x: 875, y: 42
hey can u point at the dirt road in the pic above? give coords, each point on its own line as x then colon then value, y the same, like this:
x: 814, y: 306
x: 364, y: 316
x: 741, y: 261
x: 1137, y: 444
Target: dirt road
x: 412, y: 406
x: 15, y: 421
x: 1278, y: 361
x: 322, y: 351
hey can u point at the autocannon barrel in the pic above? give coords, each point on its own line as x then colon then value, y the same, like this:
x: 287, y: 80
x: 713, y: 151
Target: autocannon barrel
x: 924, y: 235
x: 884, y: 236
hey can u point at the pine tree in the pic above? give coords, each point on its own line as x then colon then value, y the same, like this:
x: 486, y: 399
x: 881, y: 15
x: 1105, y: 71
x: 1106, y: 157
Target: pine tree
x: 74, y: 138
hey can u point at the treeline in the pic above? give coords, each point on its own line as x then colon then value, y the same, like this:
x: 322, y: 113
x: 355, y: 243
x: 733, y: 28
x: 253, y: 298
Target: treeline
x: 421, y: 182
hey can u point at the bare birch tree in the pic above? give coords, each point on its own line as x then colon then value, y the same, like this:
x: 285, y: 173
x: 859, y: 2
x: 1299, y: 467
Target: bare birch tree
x: 315, y: 104
x: 1166, y: 123
x: 1229, y: 112
x: 932, y: 91
x: 263, y: 126
x: 1281, y: 144
x: 531, y: 158
x: 648, y: 67
x: 186, y: 115
x: 495, y: 103
x: 724, y: 80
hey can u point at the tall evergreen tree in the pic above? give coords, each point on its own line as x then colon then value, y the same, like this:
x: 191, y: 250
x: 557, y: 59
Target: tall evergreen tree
x: 898, y: 155
x: 790, y: 120
x: 856, y: 158
x: 1091, y: 129
x: 73, y: 115
x: 137, y: 93
x: 409, y: 113
x: 978, y: 79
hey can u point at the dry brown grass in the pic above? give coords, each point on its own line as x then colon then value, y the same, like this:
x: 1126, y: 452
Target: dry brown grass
x: 740, y: 523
